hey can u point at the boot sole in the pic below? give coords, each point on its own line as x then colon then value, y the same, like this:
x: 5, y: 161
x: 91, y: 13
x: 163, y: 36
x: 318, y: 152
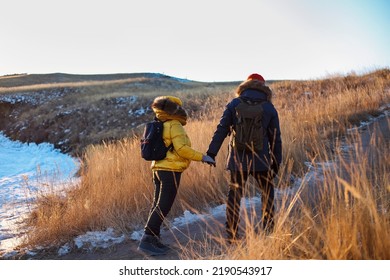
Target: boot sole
x: 151, y: 253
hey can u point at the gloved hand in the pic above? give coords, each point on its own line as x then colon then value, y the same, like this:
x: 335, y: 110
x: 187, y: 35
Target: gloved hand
x: 209, y: 160
x: 211, y: 155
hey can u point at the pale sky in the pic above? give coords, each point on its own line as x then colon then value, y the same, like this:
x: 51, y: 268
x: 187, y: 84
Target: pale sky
x: 203, y: 40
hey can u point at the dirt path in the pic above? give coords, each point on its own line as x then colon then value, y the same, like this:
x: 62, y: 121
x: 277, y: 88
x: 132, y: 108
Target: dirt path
x: 359, y: 144
x: 208, y: 230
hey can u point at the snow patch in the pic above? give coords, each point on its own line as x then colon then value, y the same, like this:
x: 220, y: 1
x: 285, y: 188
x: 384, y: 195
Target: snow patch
x: 126, y: 100
x: 28, y: 170
x: 187, y: 218
x: 385, y: 109
x: 136, y: 235
x: 92, y: 240
x: 35, y: 98
x: 98, y: 239
x: 64, y: 250
x: 138, y: 112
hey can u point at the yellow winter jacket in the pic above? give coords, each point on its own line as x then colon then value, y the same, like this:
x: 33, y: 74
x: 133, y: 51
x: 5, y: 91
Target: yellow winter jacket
x: 180, y: 157
x: 169, y: 110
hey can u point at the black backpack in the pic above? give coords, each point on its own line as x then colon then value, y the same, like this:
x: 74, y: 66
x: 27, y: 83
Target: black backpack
x: 248, y: 133
x: 152, y: 143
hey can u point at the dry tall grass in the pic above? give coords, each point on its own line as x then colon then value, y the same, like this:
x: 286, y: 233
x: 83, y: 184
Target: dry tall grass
x: 347, y: 219
x: 116, y: 186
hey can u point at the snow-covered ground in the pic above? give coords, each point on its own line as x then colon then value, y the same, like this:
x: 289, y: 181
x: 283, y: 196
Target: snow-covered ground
x: 27, y: 170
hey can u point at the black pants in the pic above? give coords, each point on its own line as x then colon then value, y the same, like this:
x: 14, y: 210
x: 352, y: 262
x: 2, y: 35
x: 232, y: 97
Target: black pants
x: 166, y: 184
x: 237, y: 183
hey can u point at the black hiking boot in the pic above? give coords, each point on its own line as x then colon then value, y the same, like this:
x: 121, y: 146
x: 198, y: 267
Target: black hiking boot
x: 152, y: 245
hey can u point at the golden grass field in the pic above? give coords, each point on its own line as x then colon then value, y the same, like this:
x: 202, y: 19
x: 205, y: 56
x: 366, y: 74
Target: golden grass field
x: 349, y: 220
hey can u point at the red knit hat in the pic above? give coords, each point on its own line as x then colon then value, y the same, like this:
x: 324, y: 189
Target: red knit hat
x: 256, y: 76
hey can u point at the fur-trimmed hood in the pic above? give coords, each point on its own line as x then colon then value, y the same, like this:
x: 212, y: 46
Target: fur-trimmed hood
x: 255, y: 85
x: 169, y: 108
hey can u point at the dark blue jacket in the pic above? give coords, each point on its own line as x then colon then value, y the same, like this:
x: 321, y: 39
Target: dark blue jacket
x: 247, y: 161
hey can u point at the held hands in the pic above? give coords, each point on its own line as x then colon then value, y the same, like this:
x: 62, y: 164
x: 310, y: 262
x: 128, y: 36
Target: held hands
x: 209, y: 160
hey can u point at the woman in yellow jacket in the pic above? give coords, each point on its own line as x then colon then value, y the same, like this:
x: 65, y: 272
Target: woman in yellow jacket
x: 167, y: 172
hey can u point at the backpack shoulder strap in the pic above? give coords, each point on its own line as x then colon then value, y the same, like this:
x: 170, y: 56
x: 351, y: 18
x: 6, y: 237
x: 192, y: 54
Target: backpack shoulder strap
x: 170, y: 147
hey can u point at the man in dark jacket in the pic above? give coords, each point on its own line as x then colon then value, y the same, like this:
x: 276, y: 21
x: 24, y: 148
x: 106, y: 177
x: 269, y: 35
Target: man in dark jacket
x: 263, y: 165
